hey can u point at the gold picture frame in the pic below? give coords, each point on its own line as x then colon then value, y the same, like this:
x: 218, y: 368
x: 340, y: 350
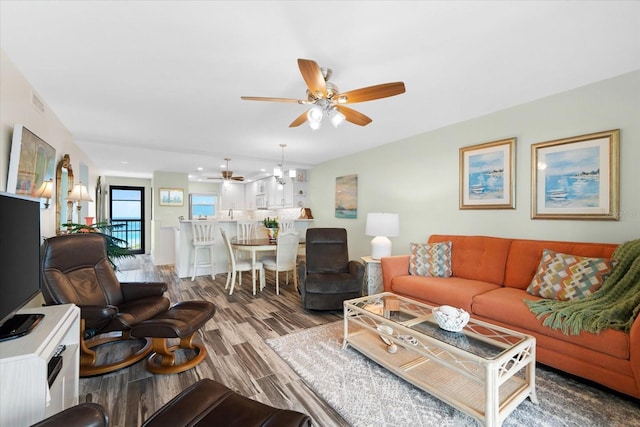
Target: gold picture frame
x: 171, y: 197
x: 487, y: 175
x: 577, y: 177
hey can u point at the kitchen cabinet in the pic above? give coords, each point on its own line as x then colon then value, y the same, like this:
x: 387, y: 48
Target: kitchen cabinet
x: 250, y: 191
x: 232, y: 196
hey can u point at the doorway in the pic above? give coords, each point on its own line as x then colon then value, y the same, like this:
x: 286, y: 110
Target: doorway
x: 126, y: 210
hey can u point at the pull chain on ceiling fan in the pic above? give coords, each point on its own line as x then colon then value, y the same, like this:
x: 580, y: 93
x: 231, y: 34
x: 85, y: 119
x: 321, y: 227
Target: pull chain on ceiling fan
x: 325, y: 98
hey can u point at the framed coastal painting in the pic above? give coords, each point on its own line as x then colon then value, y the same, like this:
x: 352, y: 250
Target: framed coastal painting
x: 31, y: 162
x: 577, y: 177
x: 347, y: 196
x: 171, y: 197
x: 487, y: 176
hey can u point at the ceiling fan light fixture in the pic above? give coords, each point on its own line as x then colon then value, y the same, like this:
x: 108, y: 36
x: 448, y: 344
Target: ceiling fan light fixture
x: 292, y: 173
x: 315, y: 125
x: 336, y: 117
x: 314, y: 115
x: 277, y: 171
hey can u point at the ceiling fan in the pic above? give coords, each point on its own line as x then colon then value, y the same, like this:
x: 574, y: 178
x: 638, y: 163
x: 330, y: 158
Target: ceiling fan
x: 325, y: 98
x: 227, y: 175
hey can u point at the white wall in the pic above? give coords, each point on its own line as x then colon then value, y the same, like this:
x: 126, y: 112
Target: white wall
x: 16, y: 108
x: 418, y: 177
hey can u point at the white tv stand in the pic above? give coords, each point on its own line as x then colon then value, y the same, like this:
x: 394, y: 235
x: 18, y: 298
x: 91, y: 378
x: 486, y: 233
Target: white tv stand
x: 25, y: 396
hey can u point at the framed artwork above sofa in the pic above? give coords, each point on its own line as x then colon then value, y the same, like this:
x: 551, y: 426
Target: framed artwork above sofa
x: 487, y: 175
x: 577, y: 177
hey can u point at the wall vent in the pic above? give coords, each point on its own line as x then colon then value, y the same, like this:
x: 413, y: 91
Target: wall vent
x: 36, y: 102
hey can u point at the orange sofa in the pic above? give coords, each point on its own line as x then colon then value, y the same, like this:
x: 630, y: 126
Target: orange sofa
x: 489, y: 280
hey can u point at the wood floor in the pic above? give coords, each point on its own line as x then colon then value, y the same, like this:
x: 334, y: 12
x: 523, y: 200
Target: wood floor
x: 238, y: 354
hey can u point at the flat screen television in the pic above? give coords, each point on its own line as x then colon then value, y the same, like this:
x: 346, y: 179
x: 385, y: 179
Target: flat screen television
x: 20, y: 241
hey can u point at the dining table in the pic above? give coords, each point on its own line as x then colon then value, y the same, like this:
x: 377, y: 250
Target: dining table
x: 253, y: 246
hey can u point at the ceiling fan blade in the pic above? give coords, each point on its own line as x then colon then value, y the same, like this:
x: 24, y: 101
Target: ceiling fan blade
x: 312, y: 75
x: 354, y: 116
x: 371, y: 92
x: 299, y: 120
x: 237, y: 178
x: 262, y: 98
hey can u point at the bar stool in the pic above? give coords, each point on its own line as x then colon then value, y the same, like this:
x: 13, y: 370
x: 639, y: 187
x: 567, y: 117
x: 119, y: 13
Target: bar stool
x: 204, y: 238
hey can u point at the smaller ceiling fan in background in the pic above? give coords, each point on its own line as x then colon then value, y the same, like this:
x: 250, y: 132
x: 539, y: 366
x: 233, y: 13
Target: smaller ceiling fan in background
x: 227, y: 175
x: 325, y: 98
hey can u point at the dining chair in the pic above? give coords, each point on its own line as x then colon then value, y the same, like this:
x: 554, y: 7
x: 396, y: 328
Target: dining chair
x: 245, y: 229
x: 285, y: 225
x: 239, y: 266
x: 285, y: 259
x: 204, y: 233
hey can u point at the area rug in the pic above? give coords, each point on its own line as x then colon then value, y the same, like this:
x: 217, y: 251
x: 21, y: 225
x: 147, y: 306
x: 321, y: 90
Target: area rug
x: 365, y: 394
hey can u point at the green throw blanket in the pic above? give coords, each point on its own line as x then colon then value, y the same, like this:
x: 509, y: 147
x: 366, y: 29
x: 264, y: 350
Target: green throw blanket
x: 615, y: 305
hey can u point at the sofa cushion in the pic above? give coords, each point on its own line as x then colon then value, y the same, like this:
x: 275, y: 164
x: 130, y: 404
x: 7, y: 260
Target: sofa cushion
x: 568, y: 277
x: 506, y: 305
x: 477, y: 257
x: 430, y: 259
x: 525, y: 255
x: 438, y: 291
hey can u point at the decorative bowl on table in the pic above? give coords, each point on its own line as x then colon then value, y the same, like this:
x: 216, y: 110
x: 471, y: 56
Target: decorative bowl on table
x: 450, y: 318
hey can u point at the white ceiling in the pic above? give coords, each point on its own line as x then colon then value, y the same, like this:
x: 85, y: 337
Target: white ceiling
x: 158, y: 84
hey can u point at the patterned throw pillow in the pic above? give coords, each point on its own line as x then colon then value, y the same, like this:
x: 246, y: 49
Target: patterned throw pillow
x: 568, y: 277
x: 430, y: 259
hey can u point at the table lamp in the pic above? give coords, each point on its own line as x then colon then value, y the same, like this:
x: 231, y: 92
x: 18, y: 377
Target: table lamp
x: 382, y: 226
x: 79, y: 194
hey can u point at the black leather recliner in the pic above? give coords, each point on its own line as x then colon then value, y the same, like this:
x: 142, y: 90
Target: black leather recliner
x: 327, y: 277
x: 75, y: 270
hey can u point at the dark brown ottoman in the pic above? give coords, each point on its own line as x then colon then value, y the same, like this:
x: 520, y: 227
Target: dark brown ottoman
x: 209, y: 403
x: 182, y: 320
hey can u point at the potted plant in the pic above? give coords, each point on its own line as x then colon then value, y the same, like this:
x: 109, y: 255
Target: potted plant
x: 271, y: 224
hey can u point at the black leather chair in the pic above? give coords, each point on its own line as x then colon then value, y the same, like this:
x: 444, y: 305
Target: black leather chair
x: 206, y: 403
x: 76, y: 270
x: 327, y: 277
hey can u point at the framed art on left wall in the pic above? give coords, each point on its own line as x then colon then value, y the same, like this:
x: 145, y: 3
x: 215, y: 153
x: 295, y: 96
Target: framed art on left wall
x: 32, y: 161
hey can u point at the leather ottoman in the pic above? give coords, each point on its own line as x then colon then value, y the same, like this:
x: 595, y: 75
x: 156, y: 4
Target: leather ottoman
x: 182, y: 320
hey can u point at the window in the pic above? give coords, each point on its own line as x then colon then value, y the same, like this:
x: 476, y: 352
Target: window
x: 127, y: 216
x: 202, y: 205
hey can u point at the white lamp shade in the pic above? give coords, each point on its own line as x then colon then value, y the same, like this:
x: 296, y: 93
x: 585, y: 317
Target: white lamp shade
x: 80, y: 193
x: 382, y: 225
x: 46, y: 190
x: 336, y: 117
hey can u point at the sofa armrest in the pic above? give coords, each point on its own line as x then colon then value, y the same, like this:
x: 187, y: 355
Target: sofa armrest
x: 392, y: 266
x: 82, y: 415
x: 357, y: 269
x: 634, y: 350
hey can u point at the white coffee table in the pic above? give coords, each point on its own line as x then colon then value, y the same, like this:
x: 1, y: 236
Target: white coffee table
x: 485, y: 371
